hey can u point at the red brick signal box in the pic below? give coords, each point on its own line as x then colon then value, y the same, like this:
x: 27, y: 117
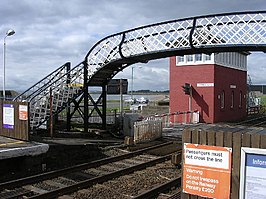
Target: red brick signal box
x: 218, y: 85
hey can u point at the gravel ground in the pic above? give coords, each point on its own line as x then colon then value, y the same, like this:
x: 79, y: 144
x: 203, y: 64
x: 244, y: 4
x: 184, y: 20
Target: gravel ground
x: 114, y: 152
x: 99, y: 192
x: 131, y: 185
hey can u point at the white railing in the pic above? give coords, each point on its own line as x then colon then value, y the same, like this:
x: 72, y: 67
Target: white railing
x: 172, y: 119
x: 147, y: 130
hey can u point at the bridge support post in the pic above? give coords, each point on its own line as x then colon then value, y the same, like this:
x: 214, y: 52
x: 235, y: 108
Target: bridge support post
x: 86, y: 98
x: 68, y: 65
x: 104, y: 106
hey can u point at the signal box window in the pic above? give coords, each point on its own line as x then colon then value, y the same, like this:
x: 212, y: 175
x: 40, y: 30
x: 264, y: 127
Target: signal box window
x: 208, y: 57
x: 180, y: 59
x: 240, y: 99
x: 190, y: 58
x: 232, y: 99
x: 222, y: 100
x: 198, y: 57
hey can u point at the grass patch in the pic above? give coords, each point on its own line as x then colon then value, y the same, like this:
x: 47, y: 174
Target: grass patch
x: 263, y: 100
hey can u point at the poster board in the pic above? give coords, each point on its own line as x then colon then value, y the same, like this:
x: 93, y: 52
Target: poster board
x: 8, y: 116
x: 207, y: 170
x: 113, y: 86
x: 23, y: 112
x: 15, y: 120
x: 252, y: 173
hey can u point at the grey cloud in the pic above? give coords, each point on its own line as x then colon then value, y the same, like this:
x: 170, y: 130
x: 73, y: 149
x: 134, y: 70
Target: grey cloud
x: 52, y: 32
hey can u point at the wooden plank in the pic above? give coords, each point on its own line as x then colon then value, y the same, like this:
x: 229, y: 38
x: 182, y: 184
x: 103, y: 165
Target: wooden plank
x: 263, y: 141
x: 211, y: 138
x: 195, y: 136
x: 255, y: 140
x: 203, y: 137
x: 236, y: 164
x: 195, y: 140
x: 185, y: 196
x: 228, y: 139
x: 219, y: 138
x: 246, y: 140
x: 186, y: 138
x: 203, y: 141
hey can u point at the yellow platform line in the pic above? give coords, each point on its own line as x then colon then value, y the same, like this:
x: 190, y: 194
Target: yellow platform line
x: 11, y: 143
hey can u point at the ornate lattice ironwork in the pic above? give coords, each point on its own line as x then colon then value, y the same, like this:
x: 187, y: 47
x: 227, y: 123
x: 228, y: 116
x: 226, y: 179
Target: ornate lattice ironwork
x: 213, y: 33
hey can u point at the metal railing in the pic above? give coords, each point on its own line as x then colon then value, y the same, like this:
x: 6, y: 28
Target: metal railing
x: 173, y: 119
x: 211, y: 33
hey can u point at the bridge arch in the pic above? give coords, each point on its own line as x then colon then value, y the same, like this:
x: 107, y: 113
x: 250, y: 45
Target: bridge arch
x: 239, y: 31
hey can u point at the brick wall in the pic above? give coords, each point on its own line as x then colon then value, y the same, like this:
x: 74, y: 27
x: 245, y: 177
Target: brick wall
x: 230, y: 80
x: 207, y: 99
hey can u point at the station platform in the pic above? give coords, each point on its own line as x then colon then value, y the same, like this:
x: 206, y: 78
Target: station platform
x: 11, y: 148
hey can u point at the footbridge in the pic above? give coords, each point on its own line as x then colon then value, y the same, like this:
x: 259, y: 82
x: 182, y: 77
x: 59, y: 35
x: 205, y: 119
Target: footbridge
x: 241, y: 31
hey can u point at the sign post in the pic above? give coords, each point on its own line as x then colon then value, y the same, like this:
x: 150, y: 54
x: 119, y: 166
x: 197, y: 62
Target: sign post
x: 207, y: 170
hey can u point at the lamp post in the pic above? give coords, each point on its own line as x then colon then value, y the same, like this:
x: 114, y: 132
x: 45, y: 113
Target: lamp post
x: 8, y: 33
x: 132, y: 80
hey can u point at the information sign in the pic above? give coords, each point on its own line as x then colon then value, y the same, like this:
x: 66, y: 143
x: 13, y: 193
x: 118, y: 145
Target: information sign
x: 207, y: 170
x: 205, y: 84
x: 23, y: 112
x: 114, y: 86
x: 8, y: 116
x: 253, y: 173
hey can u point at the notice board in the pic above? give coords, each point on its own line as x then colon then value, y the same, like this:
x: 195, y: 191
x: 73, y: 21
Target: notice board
x: 207, y: 170
x: 252, y: 173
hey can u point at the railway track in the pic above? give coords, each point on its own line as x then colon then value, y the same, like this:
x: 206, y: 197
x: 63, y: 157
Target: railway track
x: 70, y: 180
x: 254, y: 122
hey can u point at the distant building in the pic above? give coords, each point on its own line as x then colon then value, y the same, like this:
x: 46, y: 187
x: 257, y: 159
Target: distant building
x: 218, y: 83
x: 10, y: 94
x: 258, y: 88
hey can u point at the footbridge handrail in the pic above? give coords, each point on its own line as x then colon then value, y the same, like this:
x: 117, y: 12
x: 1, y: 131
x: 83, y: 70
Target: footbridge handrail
x: 240, y: 31
x: 37, y: 87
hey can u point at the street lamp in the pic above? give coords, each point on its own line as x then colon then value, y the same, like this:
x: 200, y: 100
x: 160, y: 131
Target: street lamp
x: 132, y: 80
x: 8, y: 33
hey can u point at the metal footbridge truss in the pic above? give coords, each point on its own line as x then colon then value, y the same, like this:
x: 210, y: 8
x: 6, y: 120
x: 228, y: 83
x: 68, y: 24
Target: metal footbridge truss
x: 242, y: 31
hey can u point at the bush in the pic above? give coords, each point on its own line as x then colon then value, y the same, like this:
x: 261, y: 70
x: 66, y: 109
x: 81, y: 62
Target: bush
x: 163, y: 103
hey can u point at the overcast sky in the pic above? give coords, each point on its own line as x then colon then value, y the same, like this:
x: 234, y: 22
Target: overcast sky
x: 52, y: 32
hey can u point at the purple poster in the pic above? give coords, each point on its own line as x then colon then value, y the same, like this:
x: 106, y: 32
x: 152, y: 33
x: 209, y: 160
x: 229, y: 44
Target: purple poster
x: 8, y: 116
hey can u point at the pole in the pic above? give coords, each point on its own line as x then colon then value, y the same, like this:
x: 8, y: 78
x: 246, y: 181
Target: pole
x: 8, y: 33
x: 190, y: 104
x: 68, y: 65
x: 51, y: 113
x: 121, y: 97
x: 86, y: 96
x: 4, y: 69
x: 132, y: 83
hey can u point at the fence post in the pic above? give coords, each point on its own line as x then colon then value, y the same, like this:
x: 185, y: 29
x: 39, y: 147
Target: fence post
x: 236, y: 164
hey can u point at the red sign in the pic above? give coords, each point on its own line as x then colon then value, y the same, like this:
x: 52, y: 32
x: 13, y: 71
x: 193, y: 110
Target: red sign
x: 207, y: 171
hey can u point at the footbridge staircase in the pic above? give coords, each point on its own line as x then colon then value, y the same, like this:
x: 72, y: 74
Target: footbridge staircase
x: 242, y: 31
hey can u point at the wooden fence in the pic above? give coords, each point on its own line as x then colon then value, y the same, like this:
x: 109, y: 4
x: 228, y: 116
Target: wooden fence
x: 14, y: 120
x: 234, y: 137
x: 147, y: 130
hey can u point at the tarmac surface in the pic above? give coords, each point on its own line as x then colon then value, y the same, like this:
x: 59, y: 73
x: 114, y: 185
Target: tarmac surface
x: 10, y: 148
